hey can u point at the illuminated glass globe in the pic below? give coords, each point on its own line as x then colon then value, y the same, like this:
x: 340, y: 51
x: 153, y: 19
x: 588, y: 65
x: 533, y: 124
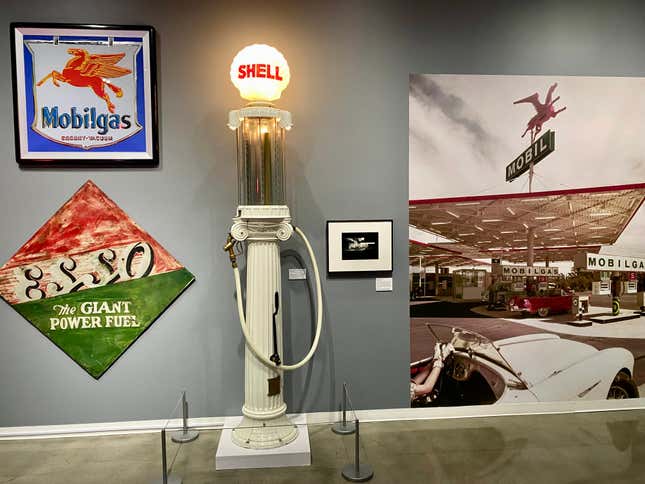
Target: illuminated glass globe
x: 260, y: 72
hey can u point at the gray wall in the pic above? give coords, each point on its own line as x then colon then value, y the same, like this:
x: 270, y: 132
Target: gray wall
x: 347, y: 158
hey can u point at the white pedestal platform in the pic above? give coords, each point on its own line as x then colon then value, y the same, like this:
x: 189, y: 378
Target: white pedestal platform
x: 294, y: 454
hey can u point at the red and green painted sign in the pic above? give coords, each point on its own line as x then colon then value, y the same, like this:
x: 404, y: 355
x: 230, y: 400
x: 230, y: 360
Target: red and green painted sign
x: 91, y: 280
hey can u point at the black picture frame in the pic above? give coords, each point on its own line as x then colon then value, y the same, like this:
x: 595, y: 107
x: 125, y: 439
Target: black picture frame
x: 359, y: 247
x: 118, y: 129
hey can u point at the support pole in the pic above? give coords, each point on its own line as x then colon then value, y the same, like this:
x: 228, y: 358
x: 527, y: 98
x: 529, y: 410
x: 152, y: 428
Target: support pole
x: 533, y: 134
x: 165, y: 478
x: 357, y: 472
x: 530, y: 258
x: 530, y: 242
x: 425, y: 285
x: 164, y: 463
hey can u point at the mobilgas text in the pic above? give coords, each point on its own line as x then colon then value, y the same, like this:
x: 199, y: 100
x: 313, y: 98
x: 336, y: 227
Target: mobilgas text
x: 266, y: 71
x: 87, y: 118
x: 605, y: 262
x: 529, y: 271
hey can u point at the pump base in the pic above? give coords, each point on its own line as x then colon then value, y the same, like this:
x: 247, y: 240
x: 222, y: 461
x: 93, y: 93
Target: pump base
x: 295, y: 454
x: 264, y: 434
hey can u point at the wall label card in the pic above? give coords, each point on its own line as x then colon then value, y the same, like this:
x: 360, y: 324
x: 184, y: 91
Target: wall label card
x: 383, y: 284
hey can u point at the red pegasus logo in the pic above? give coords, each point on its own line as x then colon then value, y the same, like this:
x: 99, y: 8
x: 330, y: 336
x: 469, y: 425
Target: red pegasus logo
x: 544, y: 111
x: 91, y: 70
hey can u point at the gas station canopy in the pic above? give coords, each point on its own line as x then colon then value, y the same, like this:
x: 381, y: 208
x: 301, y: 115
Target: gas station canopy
x: 444, y: 254
x: 563, y: 222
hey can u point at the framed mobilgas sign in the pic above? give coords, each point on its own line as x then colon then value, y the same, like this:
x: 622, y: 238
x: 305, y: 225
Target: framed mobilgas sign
x: 84, y: 94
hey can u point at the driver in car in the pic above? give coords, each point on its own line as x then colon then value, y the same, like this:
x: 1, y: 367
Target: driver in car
x: 423, y: 383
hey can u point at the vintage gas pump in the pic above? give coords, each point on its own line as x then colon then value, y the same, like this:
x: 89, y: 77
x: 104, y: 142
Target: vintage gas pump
x: 260, y: 72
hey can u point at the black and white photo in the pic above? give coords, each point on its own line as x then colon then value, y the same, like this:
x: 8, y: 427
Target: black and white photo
x: 359, y: 246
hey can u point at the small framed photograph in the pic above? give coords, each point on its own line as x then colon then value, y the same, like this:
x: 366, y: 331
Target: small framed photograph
x: 84, y: 95
x: 359, y: 246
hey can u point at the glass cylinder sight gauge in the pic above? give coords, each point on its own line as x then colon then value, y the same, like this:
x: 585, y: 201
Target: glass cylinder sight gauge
x: 260, y: 157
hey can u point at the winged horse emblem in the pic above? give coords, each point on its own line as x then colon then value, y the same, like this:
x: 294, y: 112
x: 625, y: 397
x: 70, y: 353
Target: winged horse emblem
x: 91, y: 70
x: 545, y: 111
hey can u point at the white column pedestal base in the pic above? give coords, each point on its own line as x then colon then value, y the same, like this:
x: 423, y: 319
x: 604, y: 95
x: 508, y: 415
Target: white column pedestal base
x: 232, y: 456
x: 252, y: 433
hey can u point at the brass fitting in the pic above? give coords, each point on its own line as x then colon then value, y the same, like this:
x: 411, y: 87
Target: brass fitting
x: 229, y: 247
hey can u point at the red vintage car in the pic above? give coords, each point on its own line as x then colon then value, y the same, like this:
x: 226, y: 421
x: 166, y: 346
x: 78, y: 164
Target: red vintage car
x: 541, y: 305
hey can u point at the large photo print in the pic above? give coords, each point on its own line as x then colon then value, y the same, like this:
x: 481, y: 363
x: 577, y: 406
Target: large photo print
x: 527, y: 262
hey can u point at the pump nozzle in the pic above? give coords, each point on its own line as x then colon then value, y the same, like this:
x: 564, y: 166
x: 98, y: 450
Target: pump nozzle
x: 229, y: 247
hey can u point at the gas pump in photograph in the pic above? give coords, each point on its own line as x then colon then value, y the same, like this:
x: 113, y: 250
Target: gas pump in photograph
x: 260, y: 72
x: 630, y: 286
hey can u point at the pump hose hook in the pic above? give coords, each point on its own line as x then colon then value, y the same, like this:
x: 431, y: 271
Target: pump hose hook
x: 275, y: 357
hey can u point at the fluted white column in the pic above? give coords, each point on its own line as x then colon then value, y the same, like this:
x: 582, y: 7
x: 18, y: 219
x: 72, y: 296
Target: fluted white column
x: 262, y: 282
x: 264, y: 424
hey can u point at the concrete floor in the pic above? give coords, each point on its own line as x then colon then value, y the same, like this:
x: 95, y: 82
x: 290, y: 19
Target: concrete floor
x: 577, y: 448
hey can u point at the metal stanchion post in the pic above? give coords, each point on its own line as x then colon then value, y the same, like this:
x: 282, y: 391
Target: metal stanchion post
x: 357, y: 472
x: 164, y: 475
x: 165, y: 478
x: 344, y: 427
x: 184, y: 435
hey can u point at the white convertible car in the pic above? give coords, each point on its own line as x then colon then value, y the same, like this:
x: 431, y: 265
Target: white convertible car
x: 529, y: 368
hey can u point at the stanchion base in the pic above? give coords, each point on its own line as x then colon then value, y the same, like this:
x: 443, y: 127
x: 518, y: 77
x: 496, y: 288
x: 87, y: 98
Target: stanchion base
x: 182, y: 437
x: 365, y: 472
x: 344, y: 429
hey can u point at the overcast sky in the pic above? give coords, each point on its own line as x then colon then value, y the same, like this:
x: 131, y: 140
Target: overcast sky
x: 465, y: 129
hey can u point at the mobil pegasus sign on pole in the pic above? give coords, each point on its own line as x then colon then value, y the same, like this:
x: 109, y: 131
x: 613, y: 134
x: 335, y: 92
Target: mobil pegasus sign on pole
x: 542, y: 146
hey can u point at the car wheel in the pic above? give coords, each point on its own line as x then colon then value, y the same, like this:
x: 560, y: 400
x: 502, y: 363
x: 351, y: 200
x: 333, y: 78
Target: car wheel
x: 623, y: 386
x: 543, y: 312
